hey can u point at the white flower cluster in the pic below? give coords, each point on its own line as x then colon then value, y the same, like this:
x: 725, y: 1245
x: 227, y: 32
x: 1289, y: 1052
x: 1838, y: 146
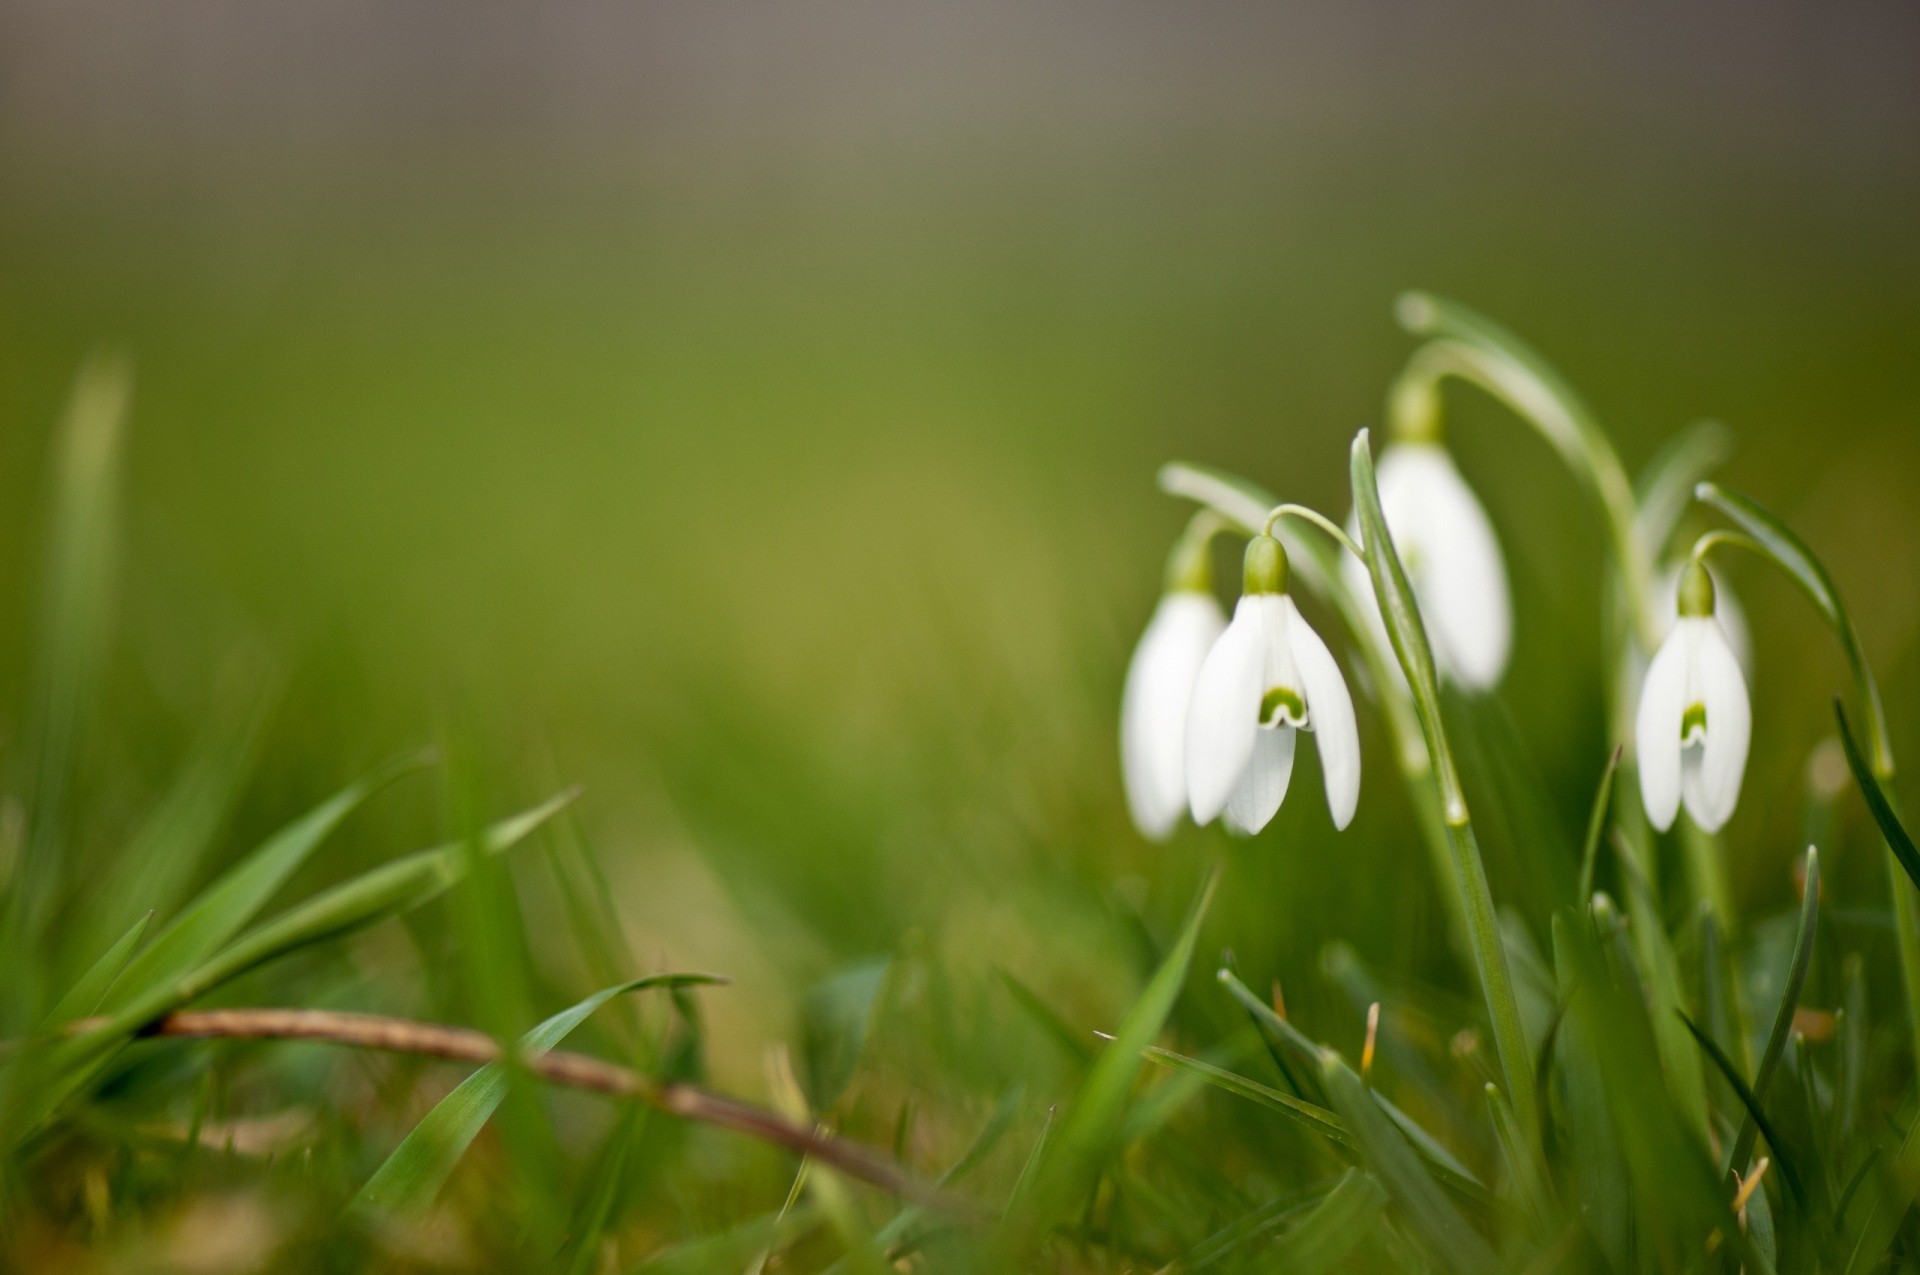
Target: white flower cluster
x: 1212, y: 709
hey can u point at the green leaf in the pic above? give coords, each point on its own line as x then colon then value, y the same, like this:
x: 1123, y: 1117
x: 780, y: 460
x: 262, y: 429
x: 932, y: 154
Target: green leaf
x: 1074, y: 1156
x: 1336, y: 1227
x: 85, y: 996
x: 1307, y: 1115
x: 1665, y: 486
x: 373, y: 896
x: 1792, y: 555
x: 735, y: 1248
x: 1405, y: 631
x: 409, y: 1179
x: 224, y: 907
x: 833, y: 1028
x: 1711, y: 1048
x: 1596, y: 829
x: 1416, y: 1194
x: 1889, y: 823
x: 1049, y: 1020
x: 76, y: 589
x: 1524, y: 1169
x: 1783, y: 1017
x: 1308, y: 1051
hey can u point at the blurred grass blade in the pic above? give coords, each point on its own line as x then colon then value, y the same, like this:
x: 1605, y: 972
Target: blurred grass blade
x: 153, y: 871
x: 226, y: 906
x: 1308, y: 1116
x: 1792, y: 555
x: 1783, y: 1017
x: 607, y: 1179
x: 1524, y: 1169
x: 1659, y: 974
x: 409, y: 1179
x: 1416, y: 1194
x: 373, y: 896
x: 1876, y: 798
x: 1751, y: 1104
x: 85, y: 996
x: 833, y: 1028
x: 1049, y: 1020
x: 735, y: 1248
x: 1336, y: 1227
x: 1075, y: 1154
x: 75, y: 594
x: 1596, y: 829
x: 1664, y: 488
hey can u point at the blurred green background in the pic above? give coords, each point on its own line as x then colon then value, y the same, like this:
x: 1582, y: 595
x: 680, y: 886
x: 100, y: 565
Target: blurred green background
x: 751, y: 413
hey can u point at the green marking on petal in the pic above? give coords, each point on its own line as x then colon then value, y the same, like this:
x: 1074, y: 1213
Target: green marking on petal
x: 1282, y: 702
x: 1693, y: 722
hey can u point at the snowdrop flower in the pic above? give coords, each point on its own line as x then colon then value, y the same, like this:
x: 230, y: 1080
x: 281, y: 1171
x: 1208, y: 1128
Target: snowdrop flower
x: 1153, y: 709
x: 1268, y: 677
x: 1452, y: 559
x: 1695, y: 719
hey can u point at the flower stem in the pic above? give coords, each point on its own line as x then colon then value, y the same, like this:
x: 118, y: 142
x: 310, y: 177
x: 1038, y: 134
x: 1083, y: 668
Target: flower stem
x: 1472, y: 348
x: 1404, y: 628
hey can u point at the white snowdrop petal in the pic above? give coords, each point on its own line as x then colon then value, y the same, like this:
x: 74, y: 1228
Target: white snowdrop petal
x: 1224, y: 714
x: 1657, y: 730
x: 1330, y: 710
x: 1721, y: 687
x: 1153, y: 713
x: 1452, y: 557
x: 1263, y: 784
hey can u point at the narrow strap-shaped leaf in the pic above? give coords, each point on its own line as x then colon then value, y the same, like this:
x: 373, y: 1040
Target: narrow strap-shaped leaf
x: 224, y: 907
x: 409, y: 1179
x: 1792, y: 555
x: 1524, y: 1169
x: 1889, y: 823
x: 84, y: 997
x: 1783, y: 1017
x: 1307, y: 1115
x: 385, y: 891
x: 1711, y: 1047
x: 1664, y: 488
x: 735, y: 1248
x: 1048, y: 1019
x: 1087, y: 1130
x: 1308, y: 1051
x: 1596, y: 829
x: 1338, y: 1225
x: 1415, y: 1192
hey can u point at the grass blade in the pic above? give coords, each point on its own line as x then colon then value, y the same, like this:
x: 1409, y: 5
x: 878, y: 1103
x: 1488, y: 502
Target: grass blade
x: 85, y: 996
x: 1596, y: 829
x: 224, y: 908
x: 1075, y: 1155
x: 1415, y: 1192
x: 1711, y: 1048
x: 1889, y: 823
x: 1783, y: 1017
x: 1338, y: 1225
x: 1307, y: 1115
x: 409, y: 1179
x: 1791, y: 554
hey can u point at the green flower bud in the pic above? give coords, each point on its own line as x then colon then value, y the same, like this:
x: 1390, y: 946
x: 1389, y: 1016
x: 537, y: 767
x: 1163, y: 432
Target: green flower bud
x: 1266, y: 566
x: 1696, y: 592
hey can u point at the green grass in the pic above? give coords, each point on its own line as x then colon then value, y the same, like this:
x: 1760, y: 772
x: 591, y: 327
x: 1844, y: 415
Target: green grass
x: 812, y: 549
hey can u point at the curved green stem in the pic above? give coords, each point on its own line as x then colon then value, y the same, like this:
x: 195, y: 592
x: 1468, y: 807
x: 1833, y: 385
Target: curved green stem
x: 1404, y: 629
x: 1474, y: 349
x: 1319, y: 520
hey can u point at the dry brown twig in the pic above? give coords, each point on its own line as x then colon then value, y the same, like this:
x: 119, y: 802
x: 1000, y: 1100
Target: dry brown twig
x: 577, y: 1071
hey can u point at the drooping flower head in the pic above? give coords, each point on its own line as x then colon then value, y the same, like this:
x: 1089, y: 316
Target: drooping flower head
x: 1268, y: 677
x: 1452, y: 559
x: 1153, y: 708
x: 1695, y: 719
